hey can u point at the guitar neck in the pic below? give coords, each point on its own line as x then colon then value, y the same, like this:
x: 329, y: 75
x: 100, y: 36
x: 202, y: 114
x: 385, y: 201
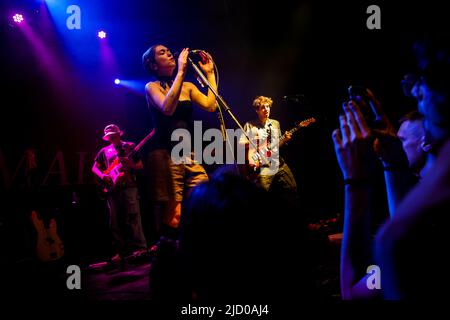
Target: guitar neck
x: 283, y: 138
x: 140, y: 144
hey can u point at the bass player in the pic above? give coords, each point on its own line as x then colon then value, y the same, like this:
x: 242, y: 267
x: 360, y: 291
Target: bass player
x: 122, y: 195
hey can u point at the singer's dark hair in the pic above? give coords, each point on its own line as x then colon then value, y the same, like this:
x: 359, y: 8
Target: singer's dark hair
x: 148, y: 58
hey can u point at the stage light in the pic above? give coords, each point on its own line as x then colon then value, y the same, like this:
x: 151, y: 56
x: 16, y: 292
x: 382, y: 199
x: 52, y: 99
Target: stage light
x: 18, y: 18
x: 117, y: 81
x: 101, y: 34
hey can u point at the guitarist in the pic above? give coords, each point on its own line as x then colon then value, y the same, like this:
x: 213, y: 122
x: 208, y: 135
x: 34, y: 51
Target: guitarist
x: 272, y: 173
x: 122, y: 197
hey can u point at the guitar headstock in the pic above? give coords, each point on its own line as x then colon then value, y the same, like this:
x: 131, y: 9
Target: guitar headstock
x: 306, y: 122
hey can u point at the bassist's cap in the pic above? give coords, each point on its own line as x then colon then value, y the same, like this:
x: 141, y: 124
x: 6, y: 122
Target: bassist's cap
x: 111, y: 129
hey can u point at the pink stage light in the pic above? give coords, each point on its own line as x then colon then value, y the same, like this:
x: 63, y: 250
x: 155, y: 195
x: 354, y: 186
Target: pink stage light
x: 18, y: 18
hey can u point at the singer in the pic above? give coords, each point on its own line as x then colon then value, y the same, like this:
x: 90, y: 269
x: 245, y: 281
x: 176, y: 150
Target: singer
x: 170, y: 101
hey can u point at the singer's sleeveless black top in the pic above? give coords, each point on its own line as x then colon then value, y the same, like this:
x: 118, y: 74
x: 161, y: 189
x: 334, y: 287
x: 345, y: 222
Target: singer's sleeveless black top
x: 165, y: 125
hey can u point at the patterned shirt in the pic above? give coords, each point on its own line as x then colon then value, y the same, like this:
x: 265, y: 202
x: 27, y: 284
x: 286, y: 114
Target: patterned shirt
x: 265, y: 139
x: 108, y: 154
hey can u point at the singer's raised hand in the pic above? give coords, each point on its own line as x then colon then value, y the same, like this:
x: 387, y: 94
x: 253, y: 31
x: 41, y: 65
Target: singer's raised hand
x: 207, y: 67
x: 182, y: 60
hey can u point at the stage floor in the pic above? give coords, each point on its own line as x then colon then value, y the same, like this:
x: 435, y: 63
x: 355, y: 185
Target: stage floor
x: 127, y: 281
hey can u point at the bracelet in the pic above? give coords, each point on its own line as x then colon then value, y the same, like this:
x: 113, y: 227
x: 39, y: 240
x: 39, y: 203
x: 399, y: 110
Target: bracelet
x: 358, y: 182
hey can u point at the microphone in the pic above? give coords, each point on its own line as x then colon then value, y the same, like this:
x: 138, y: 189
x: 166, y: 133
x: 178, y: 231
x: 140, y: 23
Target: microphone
x: 293, y: 98
x: 195, y: 51
x: 200, y: 55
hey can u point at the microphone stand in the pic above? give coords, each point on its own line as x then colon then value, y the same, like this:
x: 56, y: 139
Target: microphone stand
x: 221, y: 103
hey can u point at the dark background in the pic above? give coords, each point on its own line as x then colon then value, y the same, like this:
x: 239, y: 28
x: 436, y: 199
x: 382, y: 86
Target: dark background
x: 261, y: 48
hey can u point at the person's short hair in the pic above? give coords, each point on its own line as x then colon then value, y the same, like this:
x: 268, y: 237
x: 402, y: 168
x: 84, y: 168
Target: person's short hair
x: 261, y: 100
x: 411, y: 116
x: 148, y: 58
x: 433, y: 57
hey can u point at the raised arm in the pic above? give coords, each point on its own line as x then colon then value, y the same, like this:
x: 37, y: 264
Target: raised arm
x: 398, y: 177
x: 354, y: 151
x: 167, y: 103
x: 207, y: 102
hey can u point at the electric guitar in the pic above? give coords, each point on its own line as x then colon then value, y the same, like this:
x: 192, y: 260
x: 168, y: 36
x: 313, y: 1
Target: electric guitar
x: 49, y: 246
x: 115, y: 171
x: 260, y: 157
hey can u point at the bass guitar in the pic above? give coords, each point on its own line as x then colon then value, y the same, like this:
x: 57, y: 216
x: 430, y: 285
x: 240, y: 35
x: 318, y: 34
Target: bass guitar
x: 116, y: 170
x: 49, y: 246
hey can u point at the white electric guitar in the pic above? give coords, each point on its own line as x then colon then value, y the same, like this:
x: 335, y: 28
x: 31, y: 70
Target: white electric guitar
x: 261, y: 157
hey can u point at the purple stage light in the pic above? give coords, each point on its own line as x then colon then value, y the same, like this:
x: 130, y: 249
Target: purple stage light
x: 18, y: 18
x: 101, y: 34
x: 117, y: 81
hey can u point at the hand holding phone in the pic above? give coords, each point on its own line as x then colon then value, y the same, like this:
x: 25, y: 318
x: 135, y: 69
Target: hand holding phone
x: 369, y: 105
x: 387, y: 146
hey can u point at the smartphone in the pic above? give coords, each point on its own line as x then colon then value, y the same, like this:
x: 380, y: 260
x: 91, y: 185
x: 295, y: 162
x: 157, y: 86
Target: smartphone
x: 355, y: 91
x: 361, y: 96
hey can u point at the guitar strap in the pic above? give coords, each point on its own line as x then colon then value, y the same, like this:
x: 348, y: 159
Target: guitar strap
x: 257, y: 141
x: 120, y: 150
x: 269, y: 140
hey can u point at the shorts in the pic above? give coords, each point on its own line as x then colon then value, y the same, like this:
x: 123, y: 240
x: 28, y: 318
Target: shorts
x: 169, y: 181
